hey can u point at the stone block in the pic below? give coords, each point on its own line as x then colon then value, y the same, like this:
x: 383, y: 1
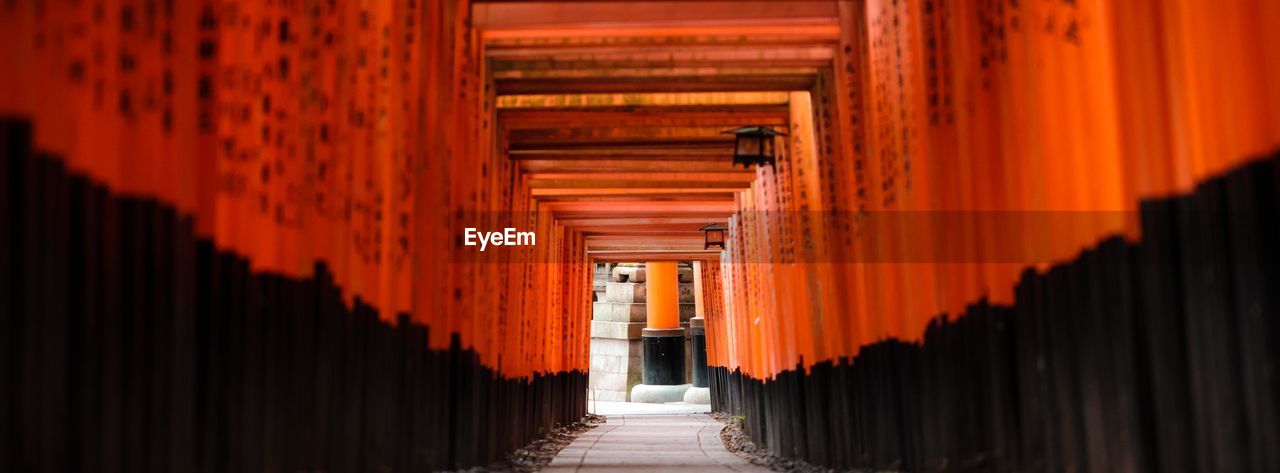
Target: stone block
x: 609, y: 363
x: 697, y: 396
x: 619, y: 312
x: 622, y: 330
x: 688, y: 311
x: 602, y: 271
x: 616, y: 366
x: 624, y: 292
x: 686, y: 294
x: 612, y: 346
x: 605, y: 380
x: 658, y: 394
x: 603, y: 311
x: 610, y: 395
x: 622, y: 364
x: 598, y: 308
x: 635, y: 312
x: 627, y: 274
x: 685, y: 275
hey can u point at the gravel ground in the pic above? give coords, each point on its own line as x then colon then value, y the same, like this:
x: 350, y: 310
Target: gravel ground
x: 740, y: 444
x: 539, y: 453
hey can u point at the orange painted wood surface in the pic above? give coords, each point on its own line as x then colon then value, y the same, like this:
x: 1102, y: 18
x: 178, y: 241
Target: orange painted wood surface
x: 662, y: 294
x: 359, y: 134
x: 956, y: 143
x: 935, y: 148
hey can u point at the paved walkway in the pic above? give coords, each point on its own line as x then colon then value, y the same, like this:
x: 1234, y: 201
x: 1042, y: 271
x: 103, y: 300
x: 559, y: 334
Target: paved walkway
x: 651, y: 442
x: 615, y: 408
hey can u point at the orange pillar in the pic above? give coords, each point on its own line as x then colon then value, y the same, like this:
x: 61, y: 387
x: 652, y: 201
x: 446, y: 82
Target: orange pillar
x: 663, y: 338
x: 662, y: 294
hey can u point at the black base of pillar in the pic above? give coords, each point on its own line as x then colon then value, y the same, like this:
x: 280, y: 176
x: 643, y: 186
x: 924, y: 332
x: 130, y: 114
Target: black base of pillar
x: 698, y: 349
x: 663, y: 356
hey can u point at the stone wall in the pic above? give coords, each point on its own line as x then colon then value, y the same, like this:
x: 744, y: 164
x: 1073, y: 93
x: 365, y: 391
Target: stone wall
x: 618, y: 316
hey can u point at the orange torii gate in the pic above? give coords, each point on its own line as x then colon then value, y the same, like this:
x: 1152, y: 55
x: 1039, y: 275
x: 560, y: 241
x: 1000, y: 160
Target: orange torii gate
x: 316, y: 159
x: 959, y: 145
x: 999, y: 233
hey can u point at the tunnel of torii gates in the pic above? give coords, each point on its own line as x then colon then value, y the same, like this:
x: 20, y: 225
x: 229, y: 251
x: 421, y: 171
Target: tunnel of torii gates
x: 1031, y: 235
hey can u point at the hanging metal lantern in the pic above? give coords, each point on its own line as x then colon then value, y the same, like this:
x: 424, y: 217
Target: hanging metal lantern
x: 714, y: 234
x: 754, y: 145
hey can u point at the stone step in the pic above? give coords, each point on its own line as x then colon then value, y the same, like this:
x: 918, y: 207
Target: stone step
x: 635, y: 292
x: 624, y: 292
x: 633, y: 311
x: 619, y: 311
x: 618, y: 330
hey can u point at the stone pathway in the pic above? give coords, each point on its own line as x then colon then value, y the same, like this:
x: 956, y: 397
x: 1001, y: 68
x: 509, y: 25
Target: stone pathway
x: 614, y: 408
x: 651, y: 442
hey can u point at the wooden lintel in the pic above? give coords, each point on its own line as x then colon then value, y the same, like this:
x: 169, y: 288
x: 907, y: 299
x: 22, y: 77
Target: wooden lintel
x: 653, y: 255
x: 649, y: 231
x: 814, y: 28
x: 673, y: 144
x: 604, y: 14
x: 747, y: 83
x: 603, y: 220
x: 695, y: 178
x: 614, y: 165
x: 714, y: 154
x: 588, y: 101
x: 644, y: 116
x: 693, y: 204
x: 719, y: 197
x: 707, y: 55
x: 632, y: 184
x: 601, y: 132
x: 640, y: 234
x: 628, y: 193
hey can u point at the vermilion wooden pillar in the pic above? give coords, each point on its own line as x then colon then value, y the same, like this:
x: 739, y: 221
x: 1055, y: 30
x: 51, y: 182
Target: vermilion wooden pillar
x: 698, y: 332
x: 663, y: 338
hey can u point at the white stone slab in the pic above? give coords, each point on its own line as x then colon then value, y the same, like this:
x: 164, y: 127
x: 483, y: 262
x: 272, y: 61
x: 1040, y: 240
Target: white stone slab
x: 651, y: 393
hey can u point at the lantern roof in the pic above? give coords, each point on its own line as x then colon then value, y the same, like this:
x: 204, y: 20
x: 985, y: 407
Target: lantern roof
x: 756, y: 130
x: 714, y: 226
